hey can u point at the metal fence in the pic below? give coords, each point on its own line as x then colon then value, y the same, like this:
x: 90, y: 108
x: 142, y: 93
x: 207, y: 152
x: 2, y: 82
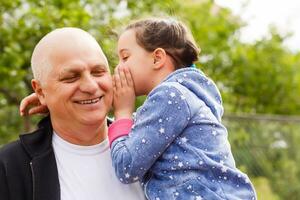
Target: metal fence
x: 267, y: 148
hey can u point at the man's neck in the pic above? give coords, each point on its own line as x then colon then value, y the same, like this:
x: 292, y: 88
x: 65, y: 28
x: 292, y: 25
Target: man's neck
x: 84, y: 135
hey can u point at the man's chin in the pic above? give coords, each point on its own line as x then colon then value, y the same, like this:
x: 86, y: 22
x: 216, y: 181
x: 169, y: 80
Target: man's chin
x: 93, y: 120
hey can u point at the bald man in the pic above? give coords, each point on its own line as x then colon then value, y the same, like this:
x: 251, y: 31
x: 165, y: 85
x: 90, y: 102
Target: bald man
x: 68, y: 156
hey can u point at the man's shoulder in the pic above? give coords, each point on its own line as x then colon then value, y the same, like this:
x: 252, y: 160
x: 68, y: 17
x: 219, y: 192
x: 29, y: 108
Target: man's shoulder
x: 10, y: 150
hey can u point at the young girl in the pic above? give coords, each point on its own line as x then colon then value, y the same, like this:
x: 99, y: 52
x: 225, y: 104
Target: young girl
x: 176, y: 145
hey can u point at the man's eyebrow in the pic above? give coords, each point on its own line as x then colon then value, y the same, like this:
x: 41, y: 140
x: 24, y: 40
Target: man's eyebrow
x: 79, y: 69
x: 70, y: 70
x: 100, y: 66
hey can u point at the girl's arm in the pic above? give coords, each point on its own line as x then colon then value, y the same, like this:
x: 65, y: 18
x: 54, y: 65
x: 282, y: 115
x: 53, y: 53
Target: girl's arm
x: 158, y: 122
x: 123, y: 102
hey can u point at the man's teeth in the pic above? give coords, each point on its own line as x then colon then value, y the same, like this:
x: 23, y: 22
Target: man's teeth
x: 90, y: 101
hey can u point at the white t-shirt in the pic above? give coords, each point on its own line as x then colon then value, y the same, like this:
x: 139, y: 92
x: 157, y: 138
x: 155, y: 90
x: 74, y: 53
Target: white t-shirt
x: 86, y: 173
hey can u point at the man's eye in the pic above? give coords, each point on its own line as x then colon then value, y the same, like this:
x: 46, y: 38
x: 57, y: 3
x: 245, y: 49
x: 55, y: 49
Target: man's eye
x: 69, y: 79
x: 98, y: 73
x: 125, y: 58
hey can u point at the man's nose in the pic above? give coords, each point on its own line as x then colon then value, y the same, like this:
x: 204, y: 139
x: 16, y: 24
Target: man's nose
x: 89, y: 84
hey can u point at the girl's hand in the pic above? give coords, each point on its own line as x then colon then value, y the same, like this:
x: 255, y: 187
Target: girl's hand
x: 124, y: 95
x: 29, y: 101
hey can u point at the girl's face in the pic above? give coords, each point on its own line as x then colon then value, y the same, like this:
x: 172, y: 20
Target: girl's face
x: 138, y: 60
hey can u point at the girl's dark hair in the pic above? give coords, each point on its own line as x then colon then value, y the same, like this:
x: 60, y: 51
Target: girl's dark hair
x: 169, y: 34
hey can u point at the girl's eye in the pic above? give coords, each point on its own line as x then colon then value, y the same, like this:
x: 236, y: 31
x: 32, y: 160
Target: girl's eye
x: 125, y: 58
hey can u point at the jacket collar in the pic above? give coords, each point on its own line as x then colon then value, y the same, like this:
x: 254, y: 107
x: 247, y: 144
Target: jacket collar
x: 38, y: 142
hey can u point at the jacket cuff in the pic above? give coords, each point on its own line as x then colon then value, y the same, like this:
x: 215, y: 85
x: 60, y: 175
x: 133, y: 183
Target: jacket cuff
x: 119, y: 128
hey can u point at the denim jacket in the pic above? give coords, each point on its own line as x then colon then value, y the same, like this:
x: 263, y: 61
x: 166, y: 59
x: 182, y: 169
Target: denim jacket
x: 178, y: 147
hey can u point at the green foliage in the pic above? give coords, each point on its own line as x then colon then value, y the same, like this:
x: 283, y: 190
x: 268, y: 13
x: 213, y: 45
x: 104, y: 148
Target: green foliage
x: 262, y: 77
x: 269, y: 150
x: 263, y: 189
x: 265, y: 78
x: 7, y: 132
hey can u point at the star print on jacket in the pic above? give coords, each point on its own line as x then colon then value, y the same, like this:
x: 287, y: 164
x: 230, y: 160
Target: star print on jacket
x: 177, y: 147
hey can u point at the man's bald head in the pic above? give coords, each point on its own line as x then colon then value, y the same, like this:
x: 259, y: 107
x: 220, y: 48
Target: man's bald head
x: 56, y: 42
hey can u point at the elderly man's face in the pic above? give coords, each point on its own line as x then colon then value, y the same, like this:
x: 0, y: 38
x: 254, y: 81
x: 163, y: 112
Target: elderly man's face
x: 79, y: 86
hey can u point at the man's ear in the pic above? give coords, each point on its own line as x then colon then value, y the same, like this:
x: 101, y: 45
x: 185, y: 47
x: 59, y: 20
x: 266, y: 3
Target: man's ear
x: 159, y: 58
x: 36, y: 85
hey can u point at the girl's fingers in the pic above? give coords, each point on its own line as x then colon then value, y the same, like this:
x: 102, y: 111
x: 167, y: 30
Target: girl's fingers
x: 114, y: 86
x: 113, y: 81
x: 117, y: 80
x: 128, y: 77
x: 32, y: 99
x: 38, y: 110
x: 122, y: 77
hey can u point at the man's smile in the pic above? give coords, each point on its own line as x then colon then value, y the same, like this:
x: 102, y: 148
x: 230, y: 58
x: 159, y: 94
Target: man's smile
x: 90, y: 101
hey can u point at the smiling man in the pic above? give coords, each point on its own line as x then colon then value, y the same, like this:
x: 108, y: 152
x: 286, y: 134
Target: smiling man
x: 68, y: 156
